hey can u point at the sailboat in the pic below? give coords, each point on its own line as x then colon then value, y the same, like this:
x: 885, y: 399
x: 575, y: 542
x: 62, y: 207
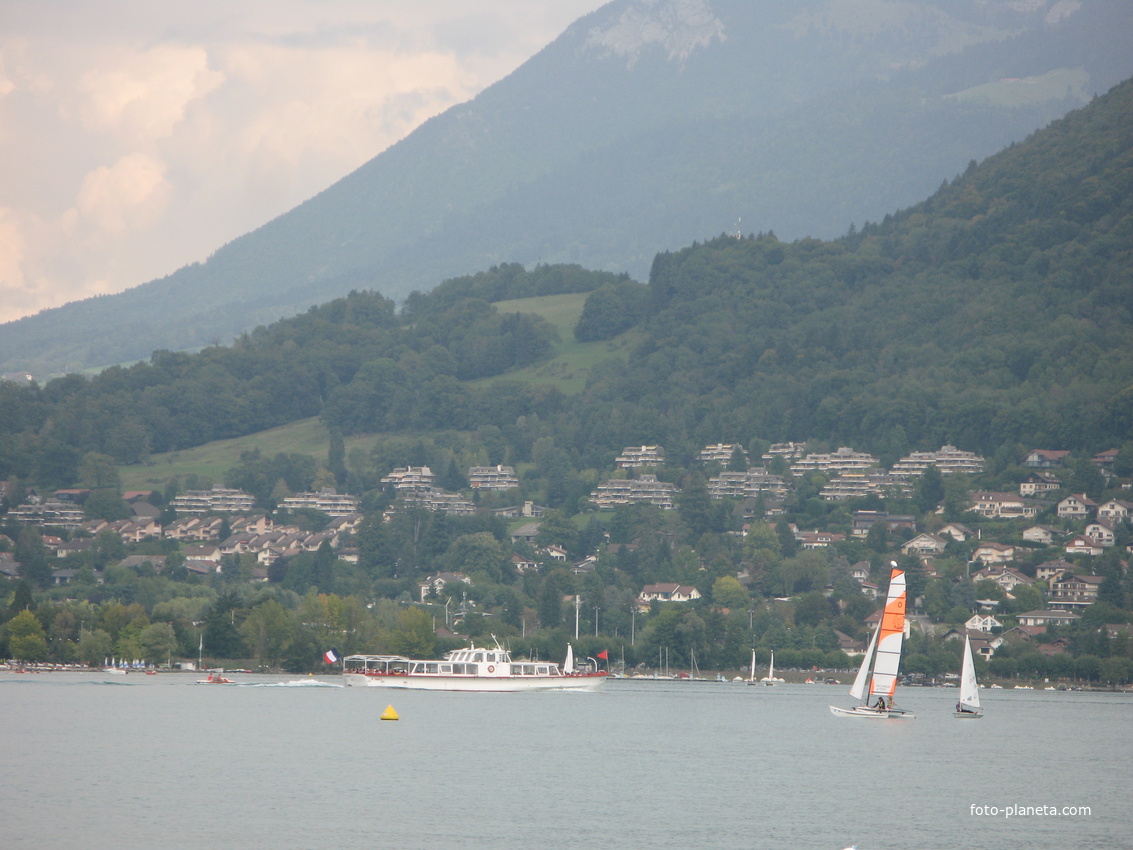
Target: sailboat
x: 770, y: 678
x: 879, y: 666
x: 969, y: 705
x: 568, y: 664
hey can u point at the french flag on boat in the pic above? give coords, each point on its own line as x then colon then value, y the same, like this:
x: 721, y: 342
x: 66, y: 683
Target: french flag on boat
x: 330, y: 656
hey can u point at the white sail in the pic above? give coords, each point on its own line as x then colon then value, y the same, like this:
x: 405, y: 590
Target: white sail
x: 568, y: 665
x: 752, y: 677
x: 771, y: 669
x: 969, y: 690
x: 857, y: 690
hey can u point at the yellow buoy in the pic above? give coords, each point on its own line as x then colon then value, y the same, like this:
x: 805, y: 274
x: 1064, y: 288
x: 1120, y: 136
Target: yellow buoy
x: 389, y: 713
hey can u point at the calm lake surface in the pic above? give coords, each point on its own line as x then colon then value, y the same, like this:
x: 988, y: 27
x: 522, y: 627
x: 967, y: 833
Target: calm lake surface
x: 92, y: 760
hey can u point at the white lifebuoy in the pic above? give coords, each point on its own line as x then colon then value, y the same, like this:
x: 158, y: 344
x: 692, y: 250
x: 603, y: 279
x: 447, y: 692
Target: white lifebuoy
x: 491, y: 669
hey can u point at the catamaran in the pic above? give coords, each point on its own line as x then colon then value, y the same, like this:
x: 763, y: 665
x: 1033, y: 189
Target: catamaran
x: 879, y: 666
x: 968, y: 707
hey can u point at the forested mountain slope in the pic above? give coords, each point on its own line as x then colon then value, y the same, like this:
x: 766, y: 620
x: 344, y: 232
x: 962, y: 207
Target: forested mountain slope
x: 996, y: 312
x: 646, y: 125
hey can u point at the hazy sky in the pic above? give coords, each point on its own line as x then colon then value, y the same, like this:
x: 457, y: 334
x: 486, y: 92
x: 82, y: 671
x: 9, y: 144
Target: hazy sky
x: 140, y: 135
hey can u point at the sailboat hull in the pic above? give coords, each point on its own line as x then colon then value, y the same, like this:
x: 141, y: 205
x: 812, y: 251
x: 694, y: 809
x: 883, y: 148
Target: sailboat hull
x: 967, y: 715
x: 864, y: 711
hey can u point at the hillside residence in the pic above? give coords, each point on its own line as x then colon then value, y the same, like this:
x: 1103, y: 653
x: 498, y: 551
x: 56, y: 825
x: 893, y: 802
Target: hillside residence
x: 1082, y: 545
x: 626, y: 491
x: 864, y: 520
x: 216, y: 500
x: 1100, y: 533
x: 1074, y: 591
x: 410, y: 478
x: 746, y: 485
x: 956, y: 531
x: 1001, y: 505
x: 524, y: 565
x: 948, y: 460
x: 1115, y: 510
x: 721, y: 453
x: 993, y: 553
x: 1039, y: 484
x: 856, y: 484
x: 195, y: 528
x: 1105, y: 459
x: 555, y: 552
x: 787, y: 451
x: 817, y: 539
x: 637, y: 456
x: 1047, y: 618
x: 1076, y: 506
x: 1006, y: 577
x: 982, y: 623
x: 436, y: 584
x: 668, y: 592
x: 1044, y: 458
x: 1052, y: 569
x: 328, y: 501
x: 843, y: 460
x: 526, y: 532
x: 1041, y: 534
x: 924, y: 544
x: 492, y: 478
x: 439, y: 501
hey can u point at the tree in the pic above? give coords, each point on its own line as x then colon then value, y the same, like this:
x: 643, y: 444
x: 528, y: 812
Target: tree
x: 157, y: 641
x: 26, y: 640
x: 415, y: 636
x: 729, y: 593
x: 33, y: 558
x: 269, y: 631
x: 930, y: 489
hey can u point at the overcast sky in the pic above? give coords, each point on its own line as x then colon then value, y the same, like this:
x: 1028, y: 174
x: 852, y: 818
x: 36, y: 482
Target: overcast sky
x: 140, y: 135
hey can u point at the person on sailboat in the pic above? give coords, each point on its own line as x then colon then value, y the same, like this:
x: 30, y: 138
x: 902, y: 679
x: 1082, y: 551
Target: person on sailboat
x: 880, y: 704
x: 963, y: 709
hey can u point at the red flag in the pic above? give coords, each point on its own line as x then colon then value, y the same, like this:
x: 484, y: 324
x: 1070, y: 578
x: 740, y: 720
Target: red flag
x: 603, y: 655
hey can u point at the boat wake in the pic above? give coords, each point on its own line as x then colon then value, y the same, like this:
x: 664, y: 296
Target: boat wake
x: 295, y: 683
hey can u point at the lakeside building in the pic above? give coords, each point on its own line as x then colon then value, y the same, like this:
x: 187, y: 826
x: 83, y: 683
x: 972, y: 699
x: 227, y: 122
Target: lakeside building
x: 633, y: 457
x: 627, y: 491
x: 948, y: 460
x: 328, y: 501
x: 216, y: 500
x: 492, y: 478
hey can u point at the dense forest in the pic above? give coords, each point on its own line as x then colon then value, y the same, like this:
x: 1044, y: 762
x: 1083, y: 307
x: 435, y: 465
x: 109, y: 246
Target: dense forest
x: 995, y: 316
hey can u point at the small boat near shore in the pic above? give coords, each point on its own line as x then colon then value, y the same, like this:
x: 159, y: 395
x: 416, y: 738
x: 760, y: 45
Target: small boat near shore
x: 215, y: 679
x: 472, y: 669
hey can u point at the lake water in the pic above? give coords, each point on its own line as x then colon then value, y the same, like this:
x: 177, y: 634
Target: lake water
x: 92, y: 760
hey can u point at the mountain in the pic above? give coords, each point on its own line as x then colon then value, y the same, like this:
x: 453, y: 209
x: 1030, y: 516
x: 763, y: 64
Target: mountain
x: 996, y: 316
x: 647, y: 124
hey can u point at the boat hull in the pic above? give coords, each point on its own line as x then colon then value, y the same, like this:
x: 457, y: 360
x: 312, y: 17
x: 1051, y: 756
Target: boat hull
x: 967, y: 715
x: 482, y: 684
x: 864, y: 711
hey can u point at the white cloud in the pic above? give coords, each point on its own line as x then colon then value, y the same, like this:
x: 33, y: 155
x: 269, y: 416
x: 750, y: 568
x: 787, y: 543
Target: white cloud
x: 148, y: 134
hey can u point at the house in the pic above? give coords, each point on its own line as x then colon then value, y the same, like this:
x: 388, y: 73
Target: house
x: 635, y: 456
x: 860, y: 571
x: 1006, y: 577
x: 1083, y: 545
x: 982, y: 623
x: 924, y: 544
x: 1044, y: 458
x: 1044, y: 535
x: 134, y: 562
x: 1074, y: 590
x: 1047, y: 618
x: 956, y: 531
x: 526, y: 533
x: 625, y: 491
x: 817, y: 539
x: 668, y: 592
x: 1106, y: 459
x: 1115, y: 510
x: 410, y: 478
x: 1100, y: 533
x: 1039, y: 484
x: 435, y: 584
x: 492, y: 478
x: 848, y: 645
x: 1051, y: 569
x: 1001, y: 505
x: 524, y: 565
x: 994, y: 553
x: 555, y: 552
x: 864, y: 520
x: 1076, y: 506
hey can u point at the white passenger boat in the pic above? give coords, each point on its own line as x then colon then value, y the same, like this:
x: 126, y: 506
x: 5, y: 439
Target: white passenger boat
x: 472, y: 669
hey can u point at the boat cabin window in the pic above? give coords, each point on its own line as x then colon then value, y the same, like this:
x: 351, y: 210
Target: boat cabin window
x: 479, y: 656
x: 542, y: 671
x: 446, y: 668
x: 431, y: 667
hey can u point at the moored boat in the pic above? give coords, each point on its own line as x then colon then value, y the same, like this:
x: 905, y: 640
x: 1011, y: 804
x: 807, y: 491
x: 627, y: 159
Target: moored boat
x: 472, y: 669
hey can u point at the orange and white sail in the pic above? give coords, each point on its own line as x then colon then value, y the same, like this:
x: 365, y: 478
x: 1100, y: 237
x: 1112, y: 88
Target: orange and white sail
x: 890, y: 634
